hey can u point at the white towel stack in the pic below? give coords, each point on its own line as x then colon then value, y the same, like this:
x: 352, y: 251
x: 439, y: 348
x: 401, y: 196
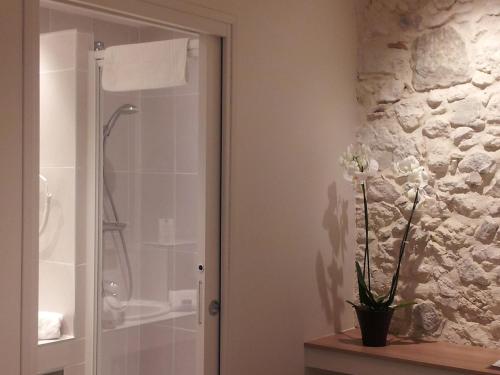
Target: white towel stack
x: 49, y: 325
x: 142, y: 66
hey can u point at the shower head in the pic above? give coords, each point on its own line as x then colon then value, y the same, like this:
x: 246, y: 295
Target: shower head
x: 126, y: 109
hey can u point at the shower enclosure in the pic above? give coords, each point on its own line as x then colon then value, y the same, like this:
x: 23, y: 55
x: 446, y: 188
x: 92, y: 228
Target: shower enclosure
x: 129, y: 202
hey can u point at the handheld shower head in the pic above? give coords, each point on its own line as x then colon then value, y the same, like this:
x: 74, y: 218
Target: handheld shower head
x: 128, y: 109
x: 125, y: 109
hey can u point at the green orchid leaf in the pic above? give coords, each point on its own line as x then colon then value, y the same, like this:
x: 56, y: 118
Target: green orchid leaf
x: 365, y: 295
x: 403, y: 305
x: 351, y: 303
x: 392, y: 293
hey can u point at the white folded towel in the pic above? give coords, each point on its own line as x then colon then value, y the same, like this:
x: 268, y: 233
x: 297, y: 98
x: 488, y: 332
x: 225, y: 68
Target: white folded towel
x: 183, y: 300
x: 142, y: 66
x: 49, y: 325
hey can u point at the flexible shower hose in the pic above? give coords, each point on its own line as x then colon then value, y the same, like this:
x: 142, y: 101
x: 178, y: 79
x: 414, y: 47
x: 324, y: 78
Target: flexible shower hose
x: 123, y: 255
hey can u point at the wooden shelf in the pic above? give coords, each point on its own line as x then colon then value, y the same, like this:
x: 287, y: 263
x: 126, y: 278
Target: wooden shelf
x: 418, y: 353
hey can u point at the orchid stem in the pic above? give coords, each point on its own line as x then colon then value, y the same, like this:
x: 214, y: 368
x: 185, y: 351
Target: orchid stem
x: 404, y: 241
x: 367, y: 251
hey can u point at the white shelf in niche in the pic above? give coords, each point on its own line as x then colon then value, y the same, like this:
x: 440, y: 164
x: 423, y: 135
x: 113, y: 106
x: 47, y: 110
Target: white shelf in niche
x: 171, y: 244
x: 55, y: 341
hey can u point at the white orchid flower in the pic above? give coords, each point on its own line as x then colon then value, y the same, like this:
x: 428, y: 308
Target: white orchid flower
x: 417, y: 178
x: 410, y: 192
x: 357, y: 163
x: 406, y: 166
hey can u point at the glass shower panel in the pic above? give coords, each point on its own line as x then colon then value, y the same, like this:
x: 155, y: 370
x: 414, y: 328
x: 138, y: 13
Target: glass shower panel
x: 151, y: 226
x: 129, y: 198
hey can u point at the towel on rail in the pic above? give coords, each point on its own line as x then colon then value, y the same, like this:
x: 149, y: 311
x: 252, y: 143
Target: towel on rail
x: 143, y: 66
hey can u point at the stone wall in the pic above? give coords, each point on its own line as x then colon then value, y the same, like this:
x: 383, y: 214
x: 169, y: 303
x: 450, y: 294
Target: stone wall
x: 429, y: 86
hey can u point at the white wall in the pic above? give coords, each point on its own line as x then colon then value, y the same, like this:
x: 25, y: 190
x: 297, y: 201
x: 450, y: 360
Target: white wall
x: 291, y: 228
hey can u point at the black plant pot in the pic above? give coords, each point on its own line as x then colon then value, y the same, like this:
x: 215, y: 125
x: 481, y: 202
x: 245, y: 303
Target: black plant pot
x: 374, y: 325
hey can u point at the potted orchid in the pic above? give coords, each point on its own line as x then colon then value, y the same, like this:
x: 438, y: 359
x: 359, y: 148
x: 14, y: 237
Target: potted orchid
x: 375, y: 311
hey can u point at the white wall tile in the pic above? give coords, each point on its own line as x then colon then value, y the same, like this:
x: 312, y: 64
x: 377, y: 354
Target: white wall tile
x: 187, y: 197
x: 135, y: 208
x: 57, y: 119
x: 118, y: 351
x: 158, y: 134
x: 156, y: 273
x: 186, y: 274
x: 57, y: 242
x: 157, y: 347
x: 189, y: 322
x: 157, y: 202
x: 58, y: 51
x: 185, y: 352
x: 186, y: 133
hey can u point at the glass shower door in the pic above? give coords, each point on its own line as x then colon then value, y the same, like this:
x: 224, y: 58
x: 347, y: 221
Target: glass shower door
x: 160, y: 213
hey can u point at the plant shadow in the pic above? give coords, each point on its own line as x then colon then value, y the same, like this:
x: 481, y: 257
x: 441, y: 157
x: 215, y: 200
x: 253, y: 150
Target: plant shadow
x: 329, y: 273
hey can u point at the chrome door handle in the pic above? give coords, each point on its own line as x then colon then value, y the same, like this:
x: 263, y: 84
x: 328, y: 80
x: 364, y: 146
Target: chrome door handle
x: 200, y: 302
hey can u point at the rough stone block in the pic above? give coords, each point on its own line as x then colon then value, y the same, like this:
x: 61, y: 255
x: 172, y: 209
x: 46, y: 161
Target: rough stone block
x: 439, y: 59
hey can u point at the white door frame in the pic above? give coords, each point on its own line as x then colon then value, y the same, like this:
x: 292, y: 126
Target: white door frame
x: 180, y: 14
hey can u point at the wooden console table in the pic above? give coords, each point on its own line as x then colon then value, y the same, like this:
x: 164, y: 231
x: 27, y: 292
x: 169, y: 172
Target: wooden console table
x: 344, y: 354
